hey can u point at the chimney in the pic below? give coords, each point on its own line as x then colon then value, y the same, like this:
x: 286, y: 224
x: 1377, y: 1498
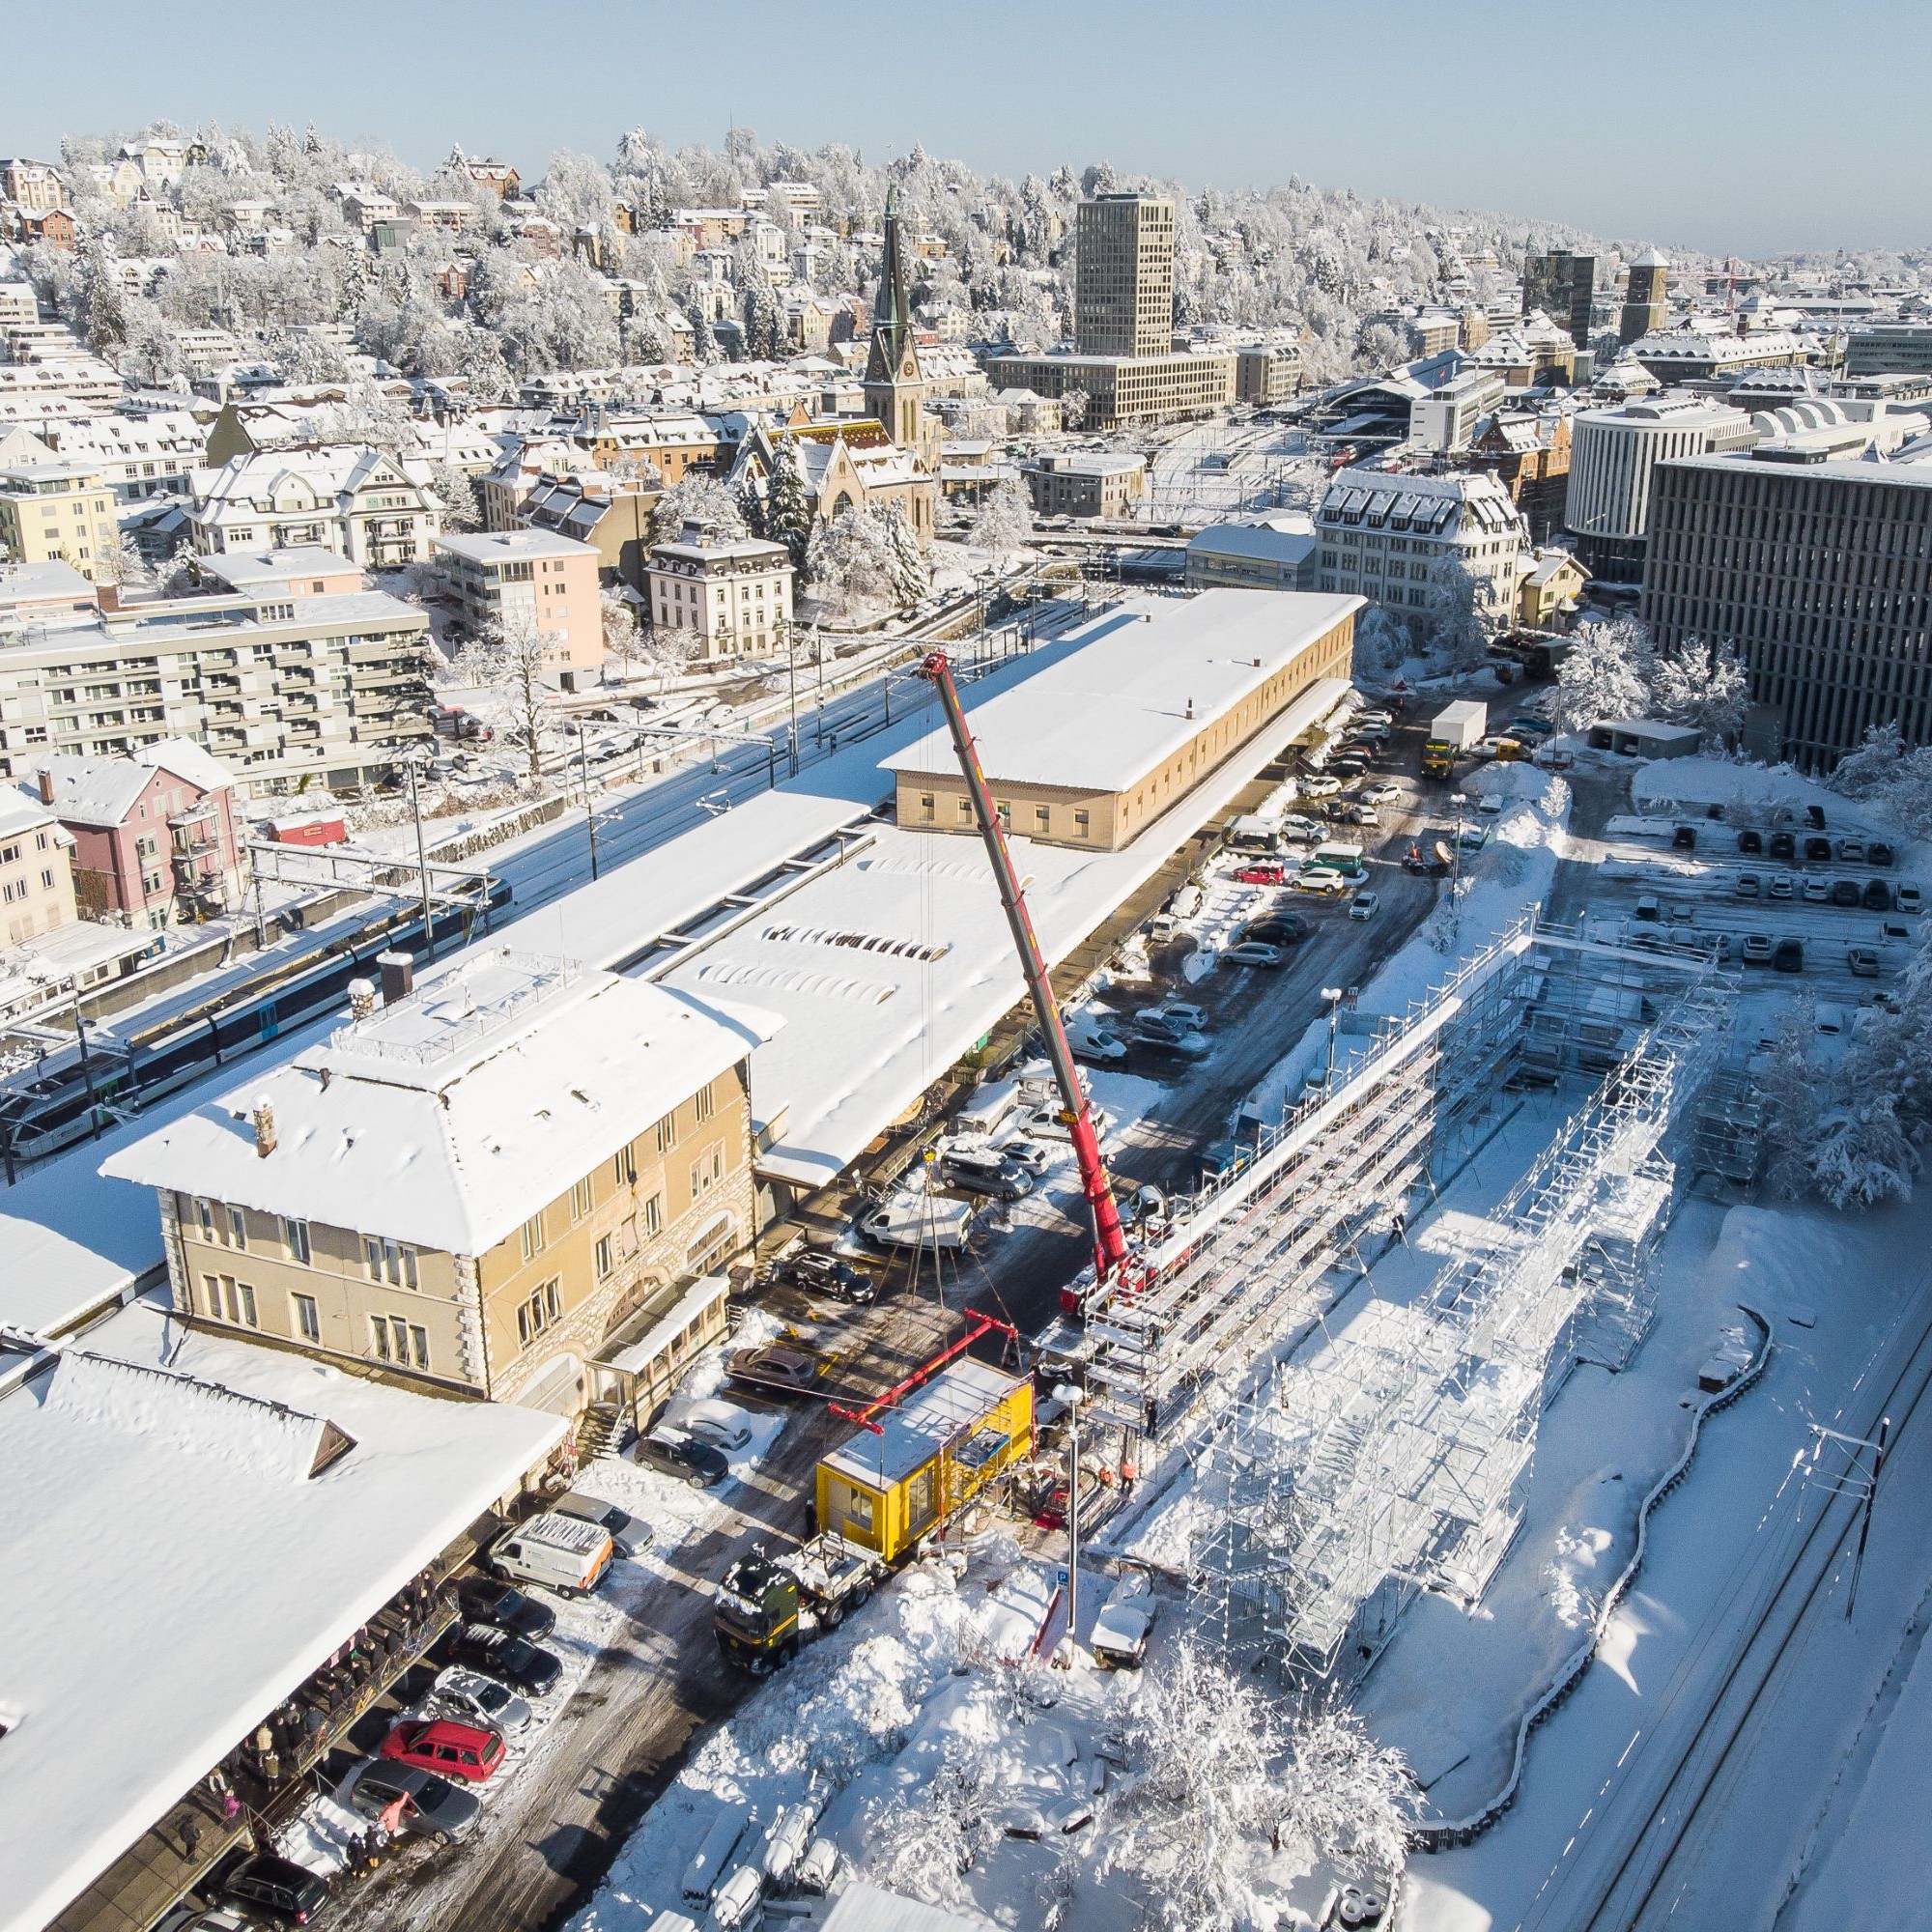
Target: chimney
x: 263, y: 1117
x: 107, y: 596
x: 361, y: 998
x: 46, y: 779
x: 1190, y: 707
x: 399, y: 976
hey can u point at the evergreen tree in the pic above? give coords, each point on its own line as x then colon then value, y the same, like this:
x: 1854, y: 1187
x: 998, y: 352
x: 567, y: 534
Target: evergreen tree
x: 906, y: 568
x: 751, y: 507
x: 787, y: 514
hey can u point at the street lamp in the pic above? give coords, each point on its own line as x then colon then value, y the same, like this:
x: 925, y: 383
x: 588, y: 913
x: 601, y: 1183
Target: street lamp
x: 1333, y: 995
x: 415, y: 763
x: 589, y: 811
x: 1073, y: 1396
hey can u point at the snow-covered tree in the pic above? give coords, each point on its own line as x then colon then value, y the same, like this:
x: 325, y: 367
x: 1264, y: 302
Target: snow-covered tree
x: 1382, y: 642
x: 623, y: 638
x: 1073, y: 409
x: 698, y: 500
x: 787, y: 513
x: 906, y: 568
x: 1701, y: 686
x: 126, y: 566
x: 1605, y: 674
x: 921, y: 1844
x: 1894, y: 779
x: 1005, y: 521
x: 99, y: 300
x: 1458, y: 631
x: 511, y: 660
x: 462, y: 507
x: 848, y: 561
x: 1862, y: 1156
x: 1788, y: 1083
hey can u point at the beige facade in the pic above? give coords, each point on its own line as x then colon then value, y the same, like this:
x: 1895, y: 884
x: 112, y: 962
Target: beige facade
x: 60, y: 510
x: 733, y: 594
x: 1123, y: 281
x: 35, y: 870
x: 1087, y: 486
x: 1125, y: 388
x: 937, y: 800
x: 1268, y: 374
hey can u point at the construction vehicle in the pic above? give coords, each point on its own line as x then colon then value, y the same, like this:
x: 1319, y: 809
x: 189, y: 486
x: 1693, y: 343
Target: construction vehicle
x: 1110, y: 1240
x: 1455, y: 732
x: 759, y: 1613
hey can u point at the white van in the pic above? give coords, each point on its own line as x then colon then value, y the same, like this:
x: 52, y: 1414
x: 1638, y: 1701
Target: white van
x: 1255, y: 831
x: 706, y: 1869
x: 989, y: 1109
x: 561, y: 1553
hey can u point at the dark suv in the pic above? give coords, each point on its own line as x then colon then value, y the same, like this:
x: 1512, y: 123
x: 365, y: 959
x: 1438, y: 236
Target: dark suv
x: 485, y: 1600
x: 683, y: 1459
x: 820, y: 1273
x: 510, y: 1660
x: 278, y: 1887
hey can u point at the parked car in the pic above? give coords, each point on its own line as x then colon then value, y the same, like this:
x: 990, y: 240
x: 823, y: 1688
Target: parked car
x: 1756, y: 948
x: 1817, y: 851
x: 1783, y: 886
x: 1302, y: 829
x: 1851, y: 851
x: 1788, y: 956
x: 1157, y: 1025
x: 1362, y: 814
x: 1816, y: 891
x: 1254, y: 953
x: 211, y: 1918
x: 1371, y: 731
x: 1748, y: 885
x: 1320, y: 879
x: 1319, y: 788
x: 818, y: 1272
x: 1278, y: 929
x: 1382, y: 718
x: 1261, y: 872
x: 485, y: 1600
x: 510, y: 1660
x: 1491, y: 807
x: 1185, y: 1014
x: 1908, y: 898
x: 719, y: 1424
x: 630, y: 1533
x: 984, y: 1171
x: 1862, y: 961
x: 1028, y: 1153
x: 1878, y: 852
x: 1092, y: 1041
x: 470, y: 1752
x: 1845, y: 893
x: 788, y: 1371
x: 1384, y: 791
x: 1125, y: 1623
x: 1749, y: 841
x: 1876, y: 896
x: 1783, y: 846
x: 1348, y: 768
x: 277, y: 1886
x: 474, y: 1697
x: 1364, y: 905
x: 424, y: 1805
x: 681, y: 1458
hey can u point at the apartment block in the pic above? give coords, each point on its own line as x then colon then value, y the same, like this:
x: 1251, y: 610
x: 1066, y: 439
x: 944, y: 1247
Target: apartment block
x: 376, y: 509
x: 1819, y: 574
x: 1399, y: 539
x: 734, y: 593
x: 60, y: 511
x: 283, y: 688
x: 505, y: 579
x: 35, y: 870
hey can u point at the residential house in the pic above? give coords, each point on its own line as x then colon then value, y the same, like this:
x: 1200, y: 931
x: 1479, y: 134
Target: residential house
x: 36, y: 872
x: 154, y: 834
x: 34, y: 186
x: 376, y: 509
x: 137, y: 457
x: 54, y: 226
x: 1547, y: 596
x: 482, y: 1185
x: 732, y: 593
x: 611, y: 514
x: 1529, y: 455
x: 499, y: 177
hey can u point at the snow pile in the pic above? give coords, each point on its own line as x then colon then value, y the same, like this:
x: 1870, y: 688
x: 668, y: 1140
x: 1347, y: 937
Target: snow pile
x: 1572, y: 1575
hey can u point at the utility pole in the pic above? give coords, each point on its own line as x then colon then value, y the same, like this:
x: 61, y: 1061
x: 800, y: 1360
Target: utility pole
x: 1071, y: 1395
x: 791, y: 689
x: 1333, y: 995
x: 589, y: 811
x: 413, y: 764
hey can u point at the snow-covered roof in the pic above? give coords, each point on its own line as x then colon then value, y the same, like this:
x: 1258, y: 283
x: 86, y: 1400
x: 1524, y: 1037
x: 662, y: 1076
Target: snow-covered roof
x: 1259, y: 540
x: 451, y: 1116
x: 23, y: 586
x: 160, y: 1478
x: 22, y: 810
x: 511, y: 546
x: 276, y: 569
x: 183, y: 759
x: 1155, y: 673
x: 915, y: 1431
x: 94, y: 791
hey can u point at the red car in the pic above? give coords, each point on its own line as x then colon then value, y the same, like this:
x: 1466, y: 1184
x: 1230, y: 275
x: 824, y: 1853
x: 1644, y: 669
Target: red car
x: 1266, y: 872
x: 449, y: 1750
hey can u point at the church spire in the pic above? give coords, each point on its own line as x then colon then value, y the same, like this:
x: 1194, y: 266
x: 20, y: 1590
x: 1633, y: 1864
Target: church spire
x: 895, y: 384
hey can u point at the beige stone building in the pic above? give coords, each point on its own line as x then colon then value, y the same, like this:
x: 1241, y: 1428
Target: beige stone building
x: 35, y: 868
x: 1087, y: 485
x: 733, y: 593
x: 1078, y: 757
x: 1123, y: 282
x: 484, y: 1185
x: 1125, y: 388
x: 58, y: 509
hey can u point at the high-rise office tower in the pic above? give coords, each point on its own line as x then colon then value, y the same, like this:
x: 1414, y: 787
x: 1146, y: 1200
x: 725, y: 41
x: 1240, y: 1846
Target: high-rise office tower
x: 1123, y: 282
x: 1562, y: 285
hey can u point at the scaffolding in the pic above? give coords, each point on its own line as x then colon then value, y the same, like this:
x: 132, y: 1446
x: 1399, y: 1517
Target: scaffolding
x: 1394, y: 1457
x: 1248, y: 1263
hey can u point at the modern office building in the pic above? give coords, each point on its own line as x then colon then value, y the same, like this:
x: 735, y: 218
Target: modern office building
x: 1123, y: 282
x: 1819, y: 574
x: 1889, y: 348
x: 1563, y: 285
x: 1612, y: 455
x: 1646, y: 298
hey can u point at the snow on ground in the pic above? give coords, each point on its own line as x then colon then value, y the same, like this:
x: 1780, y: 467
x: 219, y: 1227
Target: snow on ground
x: 1713, y: 1543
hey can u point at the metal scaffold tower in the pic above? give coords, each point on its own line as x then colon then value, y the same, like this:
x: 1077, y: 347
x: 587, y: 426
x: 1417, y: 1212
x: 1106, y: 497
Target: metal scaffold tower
x: 1393, y: 1458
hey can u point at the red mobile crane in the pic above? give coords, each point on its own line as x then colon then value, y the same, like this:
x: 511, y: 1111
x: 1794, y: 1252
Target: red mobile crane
x: 1110, y: 1240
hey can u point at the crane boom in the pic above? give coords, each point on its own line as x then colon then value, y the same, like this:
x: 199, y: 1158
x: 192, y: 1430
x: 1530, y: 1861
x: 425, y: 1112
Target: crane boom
x: 1110, y: 1240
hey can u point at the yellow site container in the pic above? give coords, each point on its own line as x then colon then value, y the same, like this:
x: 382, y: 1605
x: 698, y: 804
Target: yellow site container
x: 935, y: 1451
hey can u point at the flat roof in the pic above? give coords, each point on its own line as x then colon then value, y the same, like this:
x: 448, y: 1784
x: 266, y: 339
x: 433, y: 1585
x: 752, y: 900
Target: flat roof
x: 1155, y: 673
x: 499, y: 546
x: 187, y: 1572
x: 255, y: 569
x: 916, y: 1431
x: 1853, y: 469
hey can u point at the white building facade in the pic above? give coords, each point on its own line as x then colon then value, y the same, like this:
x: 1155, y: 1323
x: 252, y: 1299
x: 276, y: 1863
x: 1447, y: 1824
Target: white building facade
x: 1399, y: 540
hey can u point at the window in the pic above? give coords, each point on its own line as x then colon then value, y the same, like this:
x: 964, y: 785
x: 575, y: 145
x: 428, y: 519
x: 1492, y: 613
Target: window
x: 399, y: 1341
x: 624, y: 1168
x: 1083, y: 824
x: 389, y: 1262
x: 533, y: 1236
x: 654, y: 1214
x: 580, y: 1199
x: 965, y: 812
x: 230, y: 1300
x: 238, y: 1227
x: 703, y: 1102
x: 707, y: 1170
x: 602, y: 1254
x: 307, y: 1316
x: 538, y: 1313
x: 667, y: 1133
x: 296, y: 1235
x: 1042, y: 817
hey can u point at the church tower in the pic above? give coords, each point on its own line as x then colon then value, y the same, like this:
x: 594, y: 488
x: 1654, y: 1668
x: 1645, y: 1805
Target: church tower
x: 895, y: 385
x: 1647, y: 299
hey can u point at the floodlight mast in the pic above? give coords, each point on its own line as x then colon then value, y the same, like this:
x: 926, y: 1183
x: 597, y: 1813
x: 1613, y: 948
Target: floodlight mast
x: 1110, y: 1240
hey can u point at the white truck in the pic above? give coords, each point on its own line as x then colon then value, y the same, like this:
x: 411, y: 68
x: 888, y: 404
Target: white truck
x: 1462, y: 725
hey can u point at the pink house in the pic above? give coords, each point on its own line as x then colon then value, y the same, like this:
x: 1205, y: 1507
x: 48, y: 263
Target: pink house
x: 155, y: 836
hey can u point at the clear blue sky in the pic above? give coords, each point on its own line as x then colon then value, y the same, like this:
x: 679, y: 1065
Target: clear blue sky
x: 1714, y: 123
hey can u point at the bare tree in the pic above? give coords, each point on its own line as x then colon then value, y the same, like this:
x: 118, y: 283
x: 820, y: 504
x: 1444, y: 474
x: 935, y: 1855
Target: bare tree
x: 510, y: 660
